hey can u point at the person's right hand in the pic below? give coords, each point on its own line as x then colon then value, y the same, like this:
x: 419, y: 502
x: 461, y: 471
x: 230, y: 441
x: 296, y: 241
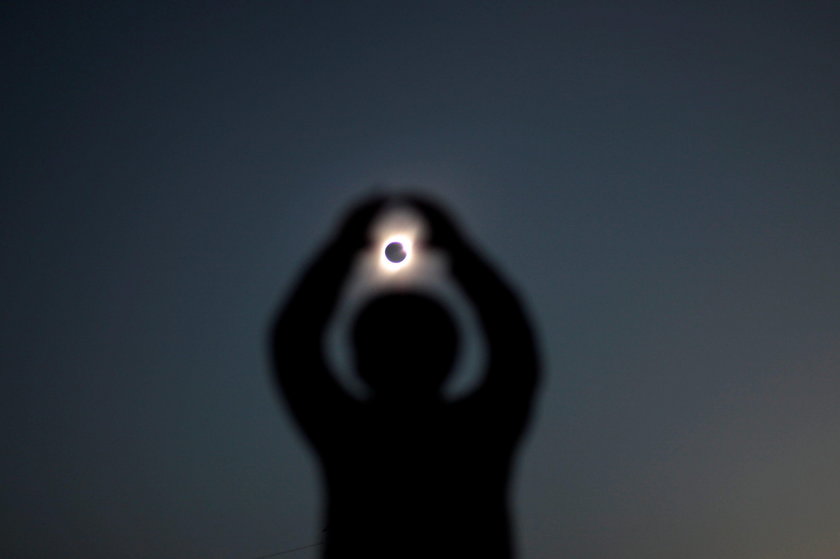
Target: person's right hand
x: 443, y: 233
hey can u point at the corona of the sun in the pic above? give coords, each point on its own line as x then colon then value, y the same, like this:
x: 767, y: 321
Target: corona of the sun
x: 390, y: 260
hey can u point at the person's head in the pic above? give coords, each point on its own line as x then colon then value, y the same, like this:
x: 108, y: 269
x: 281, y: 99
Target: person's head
x: 405, y: 345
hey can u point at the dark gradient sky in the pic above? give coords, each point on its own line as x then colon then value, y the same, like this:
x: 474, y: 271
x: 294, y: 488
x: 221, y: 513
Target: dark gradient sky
x: 661, y: 182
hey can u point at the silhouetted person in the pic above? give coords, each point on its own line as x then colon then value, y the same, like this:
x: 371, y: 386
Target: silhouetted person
x: 407, y: 473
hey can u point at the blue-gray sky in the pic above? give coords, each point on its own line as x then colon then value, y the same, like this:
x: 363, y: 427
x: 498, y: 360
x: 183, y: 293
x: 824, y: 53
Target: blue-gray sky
x: 660, y: 180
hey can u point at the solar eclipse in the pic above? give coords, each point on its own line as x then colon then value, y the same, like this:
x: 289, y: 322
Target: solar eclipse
x: 396, y: 252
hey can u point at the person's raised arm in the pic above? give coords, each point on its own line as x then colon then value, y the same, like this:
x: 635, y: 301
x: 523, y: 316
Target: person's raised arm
x: 298, y: 331
x: 512, y: 358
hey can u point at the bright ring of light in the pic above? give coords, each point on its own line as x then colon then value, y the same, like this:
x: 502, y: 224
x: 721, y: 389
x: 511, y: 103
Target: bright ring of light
x: 407, y: 244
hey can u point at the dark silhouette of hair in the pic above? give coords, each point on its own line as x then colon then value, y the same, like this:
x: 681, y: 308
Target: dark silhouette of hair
x: 405, y: 345
x: 407, y: 473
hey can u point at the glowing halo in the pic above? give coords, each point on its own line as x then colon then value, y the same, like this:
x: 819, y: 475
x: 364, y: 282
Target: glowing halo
x: 407, y: 242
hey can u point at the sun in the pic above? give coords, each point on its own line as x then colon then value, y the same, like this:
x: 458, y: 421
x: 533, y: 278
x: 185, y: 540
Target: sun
x: 396, y: 252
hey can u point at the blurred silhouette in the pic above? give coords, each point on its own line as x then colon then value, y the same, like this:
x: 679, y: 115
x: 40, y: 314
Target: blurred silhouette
x: 408, y: 473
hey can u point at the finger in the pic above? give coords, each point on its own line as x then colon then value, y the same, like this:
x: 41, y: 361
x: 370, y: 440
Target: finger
x: 358, y: 220
x: 443, y: 230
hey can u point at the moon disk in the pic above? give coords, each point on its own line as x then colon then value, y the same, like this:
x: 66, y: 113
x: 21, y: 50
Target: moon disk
x: 395, y: 253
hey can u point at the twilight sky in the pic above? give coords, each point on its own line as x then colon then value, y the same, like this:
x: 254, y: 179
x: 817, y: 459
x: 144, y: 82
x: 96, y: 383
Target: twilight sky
x: 660, y: 180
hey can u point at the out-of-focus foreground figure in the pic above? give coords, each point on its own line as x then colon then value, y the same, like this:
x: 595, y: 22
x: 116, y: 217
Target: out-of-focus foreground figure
x: 407, y: 472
